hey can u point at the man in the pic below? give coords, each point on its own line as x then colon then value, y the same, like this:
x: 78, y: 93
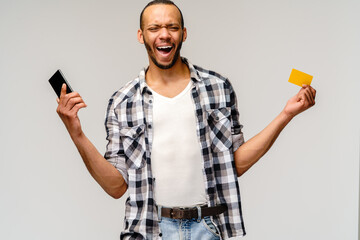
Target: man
x: 175, y: 141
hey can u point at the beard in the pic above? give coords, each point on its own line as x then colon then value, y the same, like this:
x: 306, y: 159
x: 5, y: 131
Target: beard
x: 153, y: 58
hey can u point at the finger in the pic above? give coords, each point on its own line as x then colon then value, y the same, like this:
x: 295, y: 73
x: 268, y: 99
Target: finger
x: 72, y: 102
x: 305, y: 86
x: 312, y: 94
x: 81, y: 102
x: 308, y: 96
x: 302, y: 96
x: 313, y: 91
x: 69, y: 96
x: 73, y: 94
x: 77, y: 107
x: 67, y: 109
x: 58, y: 100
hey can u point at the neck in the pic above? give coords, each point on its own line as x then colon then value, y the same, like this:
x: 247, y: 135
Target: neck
x: 156, y: 75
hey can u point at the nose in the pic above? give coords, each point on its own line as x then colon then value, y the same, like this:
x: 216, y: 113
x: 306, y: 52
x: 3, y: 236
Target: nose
x: 164, y: 33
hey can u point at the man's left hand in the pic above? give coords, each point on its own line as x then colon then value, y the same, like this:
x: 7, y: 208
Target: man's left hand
x: 303, y: 100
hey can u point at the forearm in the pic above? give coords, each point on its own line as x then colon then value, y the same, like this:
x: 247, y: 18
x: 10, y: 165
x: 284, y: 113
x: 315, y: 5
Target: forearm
x: 108, y: 177
x: 252, y: 150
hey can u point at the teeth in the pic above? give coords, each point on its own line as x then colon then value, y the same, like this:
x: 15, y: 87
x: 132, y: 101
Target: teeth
x: 165, y: 47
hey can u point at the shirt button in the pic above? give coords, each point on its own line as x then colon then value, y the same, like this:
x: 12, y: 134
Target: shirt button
x: 134, y: 135
x: 149, y: 126
x: 217, y: 118
x: 150, y: 101
x: 160, y: 234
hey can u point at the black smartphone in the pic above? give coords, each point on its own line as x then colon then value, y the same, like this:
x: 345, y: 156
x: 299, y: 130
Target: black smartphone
x: 57, y: 80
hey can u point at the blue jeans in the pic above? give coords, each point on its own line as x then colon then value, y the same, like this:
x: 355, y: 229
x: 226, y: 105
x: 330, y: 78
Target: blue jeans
x: 188, y: 229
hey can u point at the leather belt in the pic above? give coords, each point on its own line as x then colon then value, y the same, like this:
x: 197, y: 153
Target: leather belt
x: 190, y: 213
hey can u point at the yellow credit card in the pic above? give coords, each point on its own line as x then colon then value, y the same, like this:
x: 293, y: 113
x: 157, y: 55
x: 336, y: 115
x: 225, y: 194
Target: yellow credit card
x: 299, y: 78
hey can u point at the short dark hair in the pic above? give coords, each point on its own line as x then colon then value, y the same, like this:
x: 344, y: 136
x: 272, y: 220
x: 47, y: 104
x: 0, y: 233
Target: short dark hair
x: 165, y: 2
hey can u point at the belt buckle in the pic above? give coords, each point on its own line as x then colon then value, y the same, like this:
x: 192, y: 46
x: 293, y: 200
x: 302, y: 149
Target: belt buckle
x: 177, y: 212
x: 171, y: 213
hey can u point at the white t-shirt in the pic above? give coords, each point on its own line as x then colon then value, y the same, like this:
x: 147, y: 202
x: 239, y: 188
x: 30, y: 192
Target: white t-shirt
x: 176, y: 160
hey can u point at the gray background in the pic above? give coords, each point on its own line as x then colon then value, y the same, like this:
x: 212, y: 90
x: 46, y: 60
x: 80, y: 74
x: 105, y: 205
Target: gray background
x: 306, y: 187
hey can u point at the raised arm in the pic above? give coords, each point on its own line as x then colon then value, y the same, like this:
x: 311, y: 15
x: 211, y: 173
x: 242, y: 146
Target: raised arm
x: 100, y: 169
x: 252, y: 150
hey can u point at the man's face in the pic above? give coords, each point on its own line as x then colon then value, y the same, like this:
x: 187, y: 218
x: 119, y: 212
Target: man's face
x: 162, y: 34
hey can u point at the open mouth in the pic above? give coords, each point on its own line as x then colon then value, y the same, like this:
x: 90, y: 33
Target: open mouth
x: 164, y: 49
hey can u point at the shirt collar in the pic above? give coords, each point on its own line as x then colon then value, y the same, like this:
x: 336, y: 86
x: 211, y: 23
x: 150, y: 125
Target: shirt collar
x: 194, y: 75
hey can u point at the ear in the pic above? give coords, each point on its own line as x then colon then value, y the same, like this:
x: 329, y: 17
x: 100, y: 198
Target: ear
x: 184, y: 34
x: 140, y: 36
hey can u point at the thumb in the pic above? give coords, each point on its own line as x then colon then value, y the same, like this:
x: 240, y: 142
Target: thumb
x: 63, y: 90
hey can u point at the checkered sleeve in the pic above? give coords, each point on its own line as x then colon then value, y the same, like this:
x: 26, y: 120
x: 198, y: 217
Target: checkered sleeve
x: 236, y: 132
x: 114, y: 148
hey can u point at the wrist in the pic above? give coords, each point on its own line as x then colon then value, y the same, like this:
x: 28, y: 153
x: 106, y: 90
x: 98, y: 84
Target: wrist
x: 77, y: 136
x: 286, y: 117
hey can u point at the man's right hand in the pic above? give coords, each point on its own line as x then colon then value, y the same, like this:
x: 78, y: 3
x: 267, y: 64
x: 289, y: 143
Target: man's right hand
x: 102, y: 171
x: 69, y: 105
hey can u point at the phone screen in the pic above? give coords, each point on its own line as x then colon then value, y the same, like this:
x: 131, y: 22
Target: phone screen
x: 57, y: 80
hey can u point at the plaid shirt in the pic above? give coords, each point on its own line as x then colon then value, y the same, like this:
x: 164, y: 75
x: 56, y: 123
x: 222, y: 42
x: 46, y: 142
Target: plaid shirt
x: 130, y: 134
